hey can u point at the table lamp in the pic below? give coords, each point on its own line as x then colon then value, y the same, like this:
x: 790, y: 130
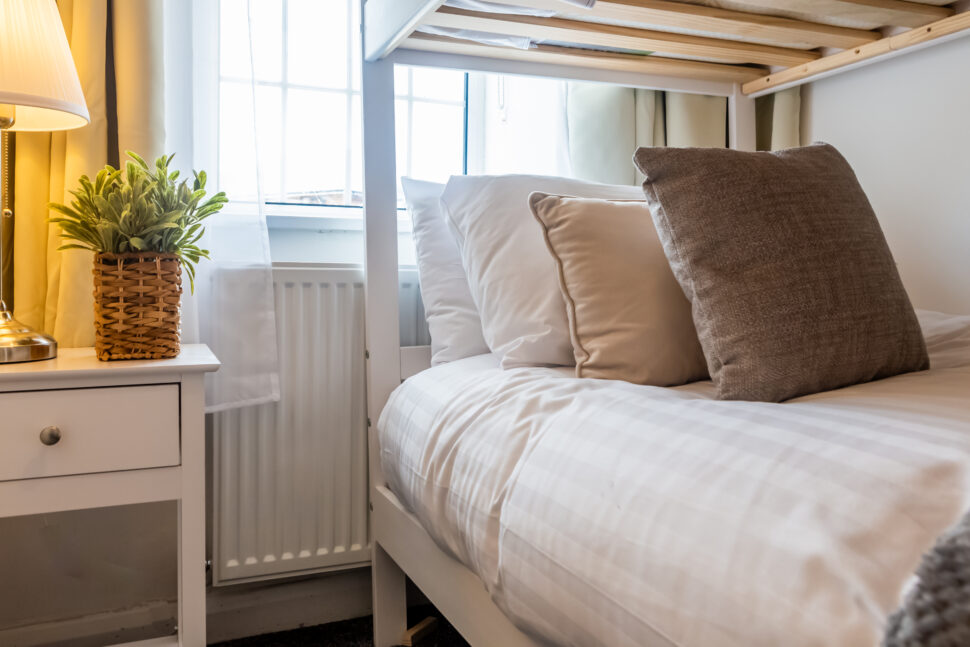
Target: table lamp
x: 39, y: 91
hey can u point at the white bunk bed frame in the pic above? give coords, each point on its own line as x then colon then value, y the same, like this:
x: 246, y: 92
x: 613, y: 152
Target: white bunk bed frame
x: 402, y: 548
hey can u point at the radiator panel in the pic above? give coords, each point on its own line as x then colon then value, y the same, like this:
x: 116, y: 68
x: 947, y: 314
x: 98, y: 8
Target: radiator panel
x: 290, y: 478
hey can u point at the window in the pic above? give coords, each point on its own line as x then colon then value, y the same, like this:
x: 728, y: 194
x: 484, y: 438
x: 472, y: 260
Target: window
x: 308, y: 105
x: 306, y: 60
x: 431, y: 115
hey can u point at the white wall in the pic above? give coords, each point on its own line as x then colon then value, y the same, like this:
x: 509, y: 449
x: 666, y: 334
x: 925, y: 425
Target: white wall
x: 904, y: 125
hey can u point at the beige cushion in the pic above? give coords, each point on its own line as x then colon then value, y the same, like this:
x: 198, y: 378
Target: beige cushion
x: 793, y: 287
x: 510, y: 274
x: 628, y: 317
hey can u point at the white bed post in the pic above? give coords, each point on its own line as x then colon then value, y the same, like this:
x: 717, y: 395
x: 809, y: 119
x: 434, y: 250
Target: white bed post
x: 741, y: 121
x: 381, y: 329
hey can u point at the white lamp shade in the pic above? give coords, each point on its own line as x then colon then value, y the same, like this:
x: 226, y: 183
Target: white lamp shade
x: 37, y: 73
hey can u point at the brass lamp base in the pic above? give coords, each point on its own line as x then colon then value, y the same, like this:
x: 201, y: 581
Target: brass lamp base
x: 19, y: 343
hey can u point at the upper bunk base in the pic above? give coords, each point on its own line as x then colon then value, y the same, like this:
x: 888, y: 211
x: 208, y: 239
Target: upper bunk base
x: 775, y: 45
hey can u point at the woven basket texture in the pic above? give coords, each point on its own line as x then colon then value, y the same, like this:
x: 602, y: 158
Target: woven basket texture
x: 137, y: 299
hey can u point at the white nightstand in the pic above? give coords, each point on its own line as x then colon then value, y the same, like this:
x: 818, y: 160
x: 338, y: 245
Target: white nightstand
x: 79, y: 433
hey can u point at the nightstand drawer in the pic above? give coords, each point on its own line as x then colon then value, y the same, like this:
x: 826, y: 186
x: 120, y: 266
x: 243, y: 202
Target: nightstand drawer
x: 82, y: 431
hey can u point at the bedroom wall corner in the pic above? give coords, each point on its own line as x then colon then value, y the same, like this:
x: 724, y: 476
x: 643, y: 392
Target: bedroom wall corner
x: 903, y: 125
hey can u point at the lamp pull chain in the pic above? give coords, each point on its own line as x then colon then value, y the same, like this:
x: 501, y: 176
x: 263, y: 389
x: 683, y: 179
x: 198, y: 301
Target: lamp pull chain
x: 6, y: 204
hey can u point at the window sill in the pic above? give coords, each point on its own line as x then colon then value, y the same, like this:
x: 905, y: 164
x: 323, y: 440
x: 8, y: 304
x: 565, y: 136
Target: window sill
x: 320, y: 234
x: 329, y: 246
x: 323, y: 218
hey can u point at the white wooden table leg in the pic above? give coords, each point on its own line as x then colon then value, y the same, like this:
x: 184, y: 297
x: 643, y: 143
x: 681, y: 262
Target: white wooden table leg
x: 390, y: 599
x: 191, y: 621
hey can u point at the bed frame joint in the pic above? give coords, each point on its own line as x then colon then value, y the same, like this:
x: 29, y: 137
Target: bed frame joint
x: 419, y: 631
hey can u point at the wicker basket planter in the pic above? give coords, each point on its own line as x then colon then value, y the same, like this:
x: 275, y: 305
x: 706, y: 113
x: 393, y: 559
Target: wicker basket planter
x: 137, y: 299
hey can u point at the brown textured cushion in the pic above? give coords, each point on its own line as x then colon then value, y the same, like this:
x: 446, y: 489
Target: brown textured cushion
x: 628, y: 317
x: 792, y: 284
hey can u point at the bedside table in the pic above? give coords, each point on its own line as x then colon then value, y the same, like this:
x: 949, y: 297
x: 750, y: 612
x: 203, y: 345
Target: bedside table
x: 78, y: 433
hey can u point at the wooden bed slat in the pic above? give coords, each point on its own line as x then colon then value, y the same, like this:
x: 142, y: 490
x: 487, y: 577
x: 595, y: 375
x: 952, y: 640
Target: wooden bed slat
x: 958, y: 24
x: 899, y: 12
x: 589, y: 58
x: 737, y: 24
x: 600, y: 35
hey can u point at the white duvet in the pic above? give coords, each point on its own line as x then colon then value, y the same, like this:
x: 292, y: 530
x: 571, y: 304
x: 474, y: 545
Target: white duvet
x: 604, y: 513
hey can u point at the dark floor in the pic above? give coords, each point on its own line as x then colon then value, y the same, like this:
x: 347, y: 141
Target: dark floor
x: 351, y: 633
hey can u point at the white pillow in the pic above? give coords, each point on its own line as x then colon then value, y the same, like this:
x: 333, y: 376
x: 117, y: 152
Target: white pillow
x: 512, y: 276
x: 456, y: 329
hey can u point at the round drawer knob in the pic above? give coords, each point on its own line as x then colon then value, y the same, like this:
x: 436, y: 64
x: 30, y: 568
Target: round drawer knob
x: 50, y: 435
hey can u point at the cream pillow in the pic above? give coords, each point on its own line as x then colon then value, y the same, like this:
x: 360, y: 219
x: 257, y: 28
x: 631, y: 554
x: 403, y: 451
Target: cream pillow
x: 628, y: 317
x: 456, y: 329
x: 512, y: 277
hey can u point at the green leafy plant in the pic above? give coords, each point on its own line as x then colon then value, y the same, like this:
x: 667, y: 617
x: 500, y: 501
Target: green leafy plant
x: 139, y: 210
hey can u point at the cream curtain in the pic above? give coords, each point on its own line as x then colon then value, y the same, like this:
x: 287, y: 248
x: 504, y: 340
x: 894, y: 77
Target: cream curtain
x: 52, y: 289
x: 134, y: 106
x: 606, y: 124
x: 778, y: 117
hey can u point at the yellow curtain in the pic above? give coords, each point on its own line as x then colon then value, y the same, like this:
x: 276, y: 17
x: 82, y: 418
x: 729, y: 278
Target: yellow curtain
x: 52, y: 289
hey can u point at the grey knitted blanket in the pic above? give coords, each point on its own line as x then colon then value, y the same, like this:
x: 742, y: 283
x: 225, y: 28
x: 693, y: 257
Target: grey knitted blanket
x: 936, y: 612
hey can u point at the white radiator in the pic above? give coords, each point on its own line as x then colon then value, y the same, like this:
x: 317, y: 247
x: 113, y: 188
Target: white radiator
x: 290, y: 478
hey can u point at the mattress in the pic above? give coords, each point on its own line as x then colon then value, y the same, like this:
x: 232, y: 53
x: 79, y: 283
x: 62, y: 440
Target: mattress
x: 605, y: 513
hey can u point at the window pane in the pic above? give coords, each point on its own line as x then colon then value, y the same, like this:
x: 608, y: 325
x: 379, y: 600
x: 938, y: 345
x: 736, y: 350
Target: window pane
x: 233, y: 39
x: 437, y: 132
x: 267, y: 26
x: 442, y: 85
x: 403, y: 136
x: 237, y: 144
x: 356, y: 154
x: 317, y: 39
x: 402, y: 85
x: 269, y: 119
x: 355, y: 44
x: 237, y: 173
x: 316, y: 147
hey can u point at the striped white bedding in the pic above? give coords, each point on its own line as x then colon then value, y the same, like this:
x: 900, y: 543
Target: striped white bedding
x: 600, y: 512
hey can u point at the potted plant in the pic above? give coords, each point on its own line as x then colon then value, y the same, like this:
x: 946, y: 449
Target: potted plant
x: 144, y: 227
